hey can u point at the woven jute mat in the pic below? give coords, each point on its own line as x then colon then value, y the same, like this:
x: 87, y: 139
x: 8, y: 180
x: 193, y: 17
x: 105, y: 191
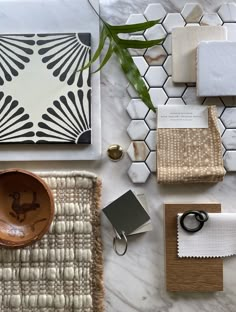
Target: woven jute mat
x: 63, y: 271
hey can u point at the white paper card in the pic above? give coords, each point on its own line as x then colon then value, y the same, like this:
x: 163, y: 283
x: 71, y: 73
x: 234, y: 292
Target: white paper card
x: 182, y: 116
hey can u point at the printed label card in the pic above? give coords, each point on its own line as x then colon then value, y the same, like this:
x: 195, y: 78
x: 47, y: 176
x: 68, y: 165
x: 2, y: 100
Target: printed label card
x: 182, y: 116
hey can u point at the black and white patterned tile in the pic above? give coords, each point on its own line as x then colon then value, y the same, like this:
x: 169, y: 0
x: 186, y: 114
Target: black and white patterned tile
x: 44, y: 97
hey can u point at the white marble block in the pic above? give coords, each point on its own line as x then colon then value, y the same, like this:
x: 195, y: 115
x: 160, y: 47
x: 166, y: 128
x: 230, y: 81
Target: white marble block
x: 216, y: 68
x: 184, y: 44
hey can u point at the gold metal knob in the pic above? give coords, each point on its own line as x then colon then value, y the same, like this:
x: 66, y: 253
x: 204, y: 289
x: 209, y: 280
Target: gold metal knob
x: 115, y: 152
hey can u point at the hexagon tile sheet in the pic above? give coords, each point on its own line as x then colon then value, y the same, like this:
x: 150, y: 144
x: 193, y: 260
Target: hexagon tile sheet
x: 155, y: 66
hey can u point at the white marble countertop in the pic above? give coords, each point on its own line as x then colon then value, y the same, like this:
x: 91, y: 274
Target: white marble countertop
x: 136, y: 282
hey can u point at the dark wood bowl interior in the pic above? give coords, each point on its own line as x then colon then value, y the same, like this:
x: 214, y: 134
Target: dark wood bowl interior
x: 26, y: 208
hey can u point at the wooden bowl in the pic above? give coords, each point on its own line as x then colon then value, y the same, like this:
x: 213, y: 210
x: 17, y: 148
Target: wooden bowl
x: 26, y: 208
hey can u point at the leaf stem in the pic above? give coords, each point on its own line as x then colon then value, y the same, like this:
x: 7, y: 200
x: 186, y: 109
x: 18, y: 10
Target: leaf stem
x: 99, y: 16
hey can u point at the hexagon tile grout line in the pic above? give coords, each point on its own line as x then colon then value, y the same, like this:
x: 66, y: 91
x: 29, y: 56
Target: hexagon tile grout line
x: 155, y: 66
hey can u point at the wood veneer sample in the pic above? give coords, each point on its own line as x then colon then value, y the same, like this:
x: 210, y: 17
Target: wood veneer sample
x: 189, y: 274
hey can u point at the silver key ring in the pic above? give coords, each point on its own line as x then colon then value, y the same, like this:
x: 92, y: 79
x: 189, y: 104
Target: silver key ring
x: 119, y: 238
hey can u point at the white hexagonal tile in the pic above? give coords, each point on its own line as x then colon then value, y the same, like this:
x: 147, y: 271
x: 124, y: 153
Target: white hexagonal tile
x: 141, y: 64
x: 227, y: 12
x: 174, y: 89
x: 211, y: 19
x: 158, y: 96
x: 155, y: 76
x: 155, y: 32
x: 192, y: 12
x: 223, y: 149
x: 137, y: 52
x: 151, y: 140
x: 230, y: 160
x: 137, y: 130
x: 138, y: 151
x: 155, y: 55
x: 190, y: 97
x: 229, y: 139
x: 229, y: 100
x: 135, y: 19
x: 154, y: 11
x: 221, y: 126
x: 175, y: 101
x: 168, y: 44
x: 131, y: 91
x: 231, y: 31
x: 168, y: 65
x: 217, y: 102
x: 151, y: 120
x: 137, y: 109
x: 173, y: 20
x: 229, y: 117
x: 151, y: 161
x: 138, y: 172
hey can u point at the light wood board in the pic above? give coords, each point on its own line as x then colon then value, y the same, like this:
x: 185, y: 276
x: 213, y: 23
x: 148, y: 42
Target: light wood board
x: 189, y: 274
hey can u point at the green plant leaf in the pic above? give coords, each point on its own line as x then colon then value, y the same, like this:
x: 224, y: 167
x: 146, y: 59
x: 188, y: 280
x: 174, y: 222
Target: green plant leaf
x: 106, y: 58
x: 129, y: 28
x: 132, y: 73
x: 97, y: 53
x: 139, y: 44
x: 119, y: 47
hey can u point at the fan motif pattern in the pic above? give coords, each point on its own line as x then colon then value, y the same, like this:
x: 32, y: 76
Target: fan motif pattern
x: 67, y: 118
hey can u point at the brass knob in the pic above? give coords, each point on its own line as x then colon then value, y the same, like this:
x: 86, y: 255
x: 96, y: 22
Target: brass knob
x: 115, y: 152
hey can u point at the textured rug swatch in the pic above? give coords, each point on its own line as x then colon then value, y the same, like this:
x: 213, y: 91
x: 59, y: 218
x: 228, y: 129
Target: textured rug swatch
x: 63, y: 271
x: 190, y: 155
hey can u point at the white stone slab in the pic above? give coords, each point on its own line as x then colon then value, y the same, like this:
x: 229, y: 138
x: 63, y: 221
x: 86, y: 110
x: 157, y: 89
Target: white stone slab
x: 184, y: 43
x: 45, y: 16
x: 216, y: 68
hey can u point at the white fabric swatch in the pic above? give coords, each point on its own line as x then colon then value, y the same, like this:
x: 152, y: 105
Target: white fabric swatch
x: 217, y: 238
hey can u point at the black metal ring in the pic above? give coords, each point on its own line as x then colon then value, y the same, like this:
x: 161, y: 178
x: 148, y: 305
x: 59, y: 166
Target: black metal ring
x: 200, y: 215
x: 204, y: 216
